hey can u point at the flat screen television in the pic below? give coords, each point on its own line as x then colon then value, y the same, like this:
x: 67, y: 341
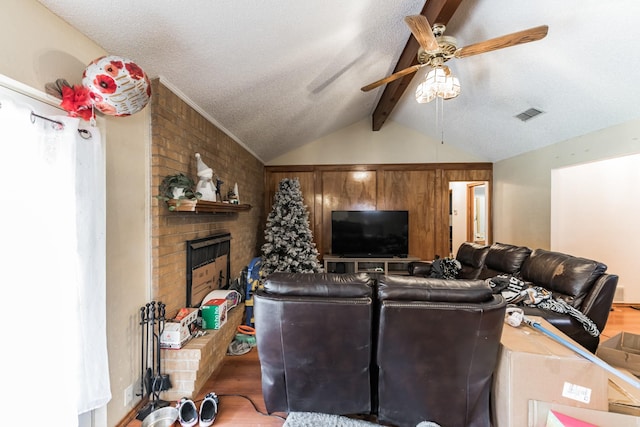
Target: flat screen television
x: 370, y: 234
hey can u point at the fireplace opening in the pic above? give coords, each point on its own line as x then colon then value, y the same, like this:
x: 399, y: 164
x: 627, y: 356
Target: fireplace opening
x: 208, y: 266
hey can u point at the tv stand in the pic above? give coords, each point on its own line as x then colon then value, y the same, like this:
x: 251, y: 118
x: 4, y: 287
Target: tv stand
x: 389, y: 265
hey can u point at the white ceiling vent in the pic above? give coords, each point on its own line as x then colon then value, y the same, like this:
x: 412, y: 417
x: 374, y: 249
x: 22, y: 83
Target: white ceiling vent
x: 529, y: 114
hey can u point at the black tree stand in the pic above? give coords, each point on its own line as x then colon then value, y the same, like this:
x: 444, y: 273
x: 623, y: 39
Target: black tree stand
x: 152, y: 381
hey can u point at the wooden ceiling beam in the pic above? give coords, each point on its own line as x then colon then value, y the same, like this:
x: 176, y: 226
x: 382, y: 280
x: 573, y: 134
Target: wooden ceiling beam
x: 437, y: 12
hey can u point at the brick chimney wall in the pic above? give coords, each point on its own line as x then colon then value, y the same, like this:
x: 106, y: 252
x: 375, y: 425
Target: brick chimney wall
x: 178, y: 132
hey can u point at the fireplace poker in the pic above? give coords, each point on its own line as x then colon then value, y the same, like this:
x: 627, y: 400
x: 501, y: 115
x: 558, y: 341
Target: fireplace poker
x: 164, y: 381
x: 151, y: 338
x: 146, y: 349
x: 151, y: 325
x: 161, y: 307
x: 142, y: 352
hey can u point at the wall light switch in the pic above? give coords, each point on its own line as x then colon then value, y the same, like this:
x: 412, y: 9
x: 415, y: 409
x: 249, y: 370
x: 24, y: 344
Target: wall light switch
x: 128, y: 395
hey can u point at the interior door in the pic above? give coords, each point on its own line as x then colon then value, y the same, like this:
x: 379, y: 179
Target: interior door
x: 477, y: 224
x: 469, y: 213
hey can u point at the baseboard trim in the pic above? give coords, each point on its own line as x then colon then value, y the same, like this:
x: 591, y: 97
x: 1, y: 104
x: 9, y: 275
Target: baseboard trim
x: 131, y: 415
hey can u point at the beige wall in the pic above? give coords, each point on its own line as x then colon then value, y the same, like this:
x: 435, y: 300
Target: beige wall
x: 358, y: 144
x: 37, y: 47
x: 522, y: 184
x: 593, y: 215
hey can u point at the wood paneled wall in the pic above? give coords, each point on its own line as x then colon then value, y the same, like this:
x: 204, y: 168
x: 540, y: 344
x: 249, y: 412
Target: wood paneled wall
x: 422, y: 189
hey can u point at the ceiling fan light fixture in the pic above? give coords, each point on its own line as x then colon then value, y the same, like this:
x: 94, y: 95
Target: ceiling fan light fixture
x: 439, y: 82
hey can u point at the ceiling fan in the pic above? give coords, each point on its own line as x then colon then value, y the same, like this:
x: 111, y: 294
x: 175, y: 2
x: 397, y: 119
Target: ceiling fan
x: 436, y: 48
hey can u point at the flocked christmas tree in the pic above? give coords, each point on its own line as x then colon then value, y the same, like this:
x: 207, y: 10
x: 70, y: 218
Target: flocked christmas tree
x: 288, y: 239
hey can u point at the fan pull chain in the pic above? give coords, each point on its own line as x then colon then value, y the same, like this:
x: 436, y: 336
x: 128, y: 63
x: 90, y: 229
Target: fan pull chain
x: 437, y: 116
x: 440, y: 117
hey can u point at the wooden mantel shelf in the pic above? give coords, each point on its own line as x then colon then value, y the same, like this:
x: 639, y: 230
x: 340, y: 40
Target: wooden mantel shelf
x: 204, y: 206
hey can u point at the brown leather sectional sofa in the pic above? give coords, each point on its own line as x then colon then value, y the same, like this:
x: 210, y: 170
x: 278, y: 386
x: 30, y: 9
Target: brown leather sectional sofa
x: 408, y: 349
x: 582, y: 283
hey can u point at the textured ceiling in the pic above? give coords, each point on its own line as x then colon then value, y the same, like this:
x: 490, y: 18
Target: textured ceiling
x: 279, y: 74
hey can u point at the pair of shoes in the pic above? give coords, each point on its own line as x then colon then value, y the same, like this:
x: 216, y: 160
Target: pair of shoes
x: 208, y: 409
x: 188, y: 414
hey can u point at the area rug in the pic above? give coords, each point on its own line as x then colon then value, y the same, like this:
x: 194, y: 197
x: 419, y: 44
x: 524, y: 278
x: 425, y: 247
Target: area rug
x: 315, y: 419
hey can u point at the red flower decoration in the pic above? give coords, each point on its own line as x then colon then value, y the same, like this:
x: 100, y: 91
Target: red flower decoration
x: 84, y: 113
x: 77, y: 101
x: 105, y: 83
x: 113, y: 68
x: 135, y: 71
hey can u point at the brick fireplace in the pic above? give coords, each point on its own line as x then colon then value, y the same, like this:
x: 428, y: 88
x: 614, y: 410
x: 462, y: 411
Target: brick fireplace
x: 207, y: 269
x: 208, y: 266
x: 190, y: 367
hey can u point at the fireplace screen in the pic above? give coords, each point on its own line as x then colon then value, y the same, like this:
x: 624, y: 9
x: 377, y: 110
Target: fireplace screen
x: 208, y: 266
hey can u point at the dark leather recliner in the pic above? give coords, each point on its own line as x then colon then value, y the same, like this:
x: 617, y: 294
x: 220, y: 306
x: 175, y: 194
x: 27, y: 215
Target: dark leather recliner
x: 314, y: 339
x: 581, y: 282
x: 437, y: 349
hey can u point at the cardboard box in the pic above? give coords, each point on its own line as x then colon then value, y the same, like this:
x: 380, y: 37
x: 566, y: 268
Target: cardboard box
x: 173, y: 336
x: 176, y: 333
x: 203, y: 280
x: 624, y: 398
x: 622, y: 350
x: 539, y: 410
x: 214, y: 313
x: 233, y: 297
x: 532, y: 366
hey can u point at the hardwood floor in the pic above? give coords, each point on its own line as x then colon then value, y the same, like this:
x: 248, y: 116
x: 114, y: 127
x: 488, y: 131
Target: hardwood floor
x: 235, y: 384
x: 239, y: 380
x: 622, y: 318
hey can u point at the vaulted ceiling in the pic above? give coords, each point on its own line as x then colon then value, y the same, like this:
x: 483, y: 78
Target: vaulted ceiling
x: 281, y: 74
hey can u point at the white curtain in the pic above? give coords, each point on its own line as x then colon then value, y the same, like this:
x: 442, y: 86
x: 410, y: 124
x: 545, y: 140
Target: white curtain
x: 52, y: 227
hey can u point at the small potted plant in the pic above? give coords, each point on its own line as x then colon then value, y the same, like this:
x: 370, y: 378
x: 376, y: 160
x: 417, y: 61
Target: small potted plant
x: 178, y: 190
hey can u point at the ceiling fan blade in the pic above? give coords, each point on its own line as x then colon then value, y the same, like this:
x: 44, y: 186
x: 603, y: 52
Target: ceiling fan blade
x: 421, y: 30
x: 513, y: 39
x: 392, y: 77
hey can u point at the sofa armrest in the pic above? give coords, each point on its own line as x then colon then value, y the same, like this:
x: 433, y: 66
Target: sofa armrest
x: 597, y: 304
x: 419, y: 268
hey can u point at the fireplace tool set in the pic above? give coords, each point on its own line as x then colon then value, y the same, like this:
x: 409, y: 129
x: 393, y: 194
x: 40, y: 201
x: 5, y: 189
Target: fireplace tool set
x: 152, y: 381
